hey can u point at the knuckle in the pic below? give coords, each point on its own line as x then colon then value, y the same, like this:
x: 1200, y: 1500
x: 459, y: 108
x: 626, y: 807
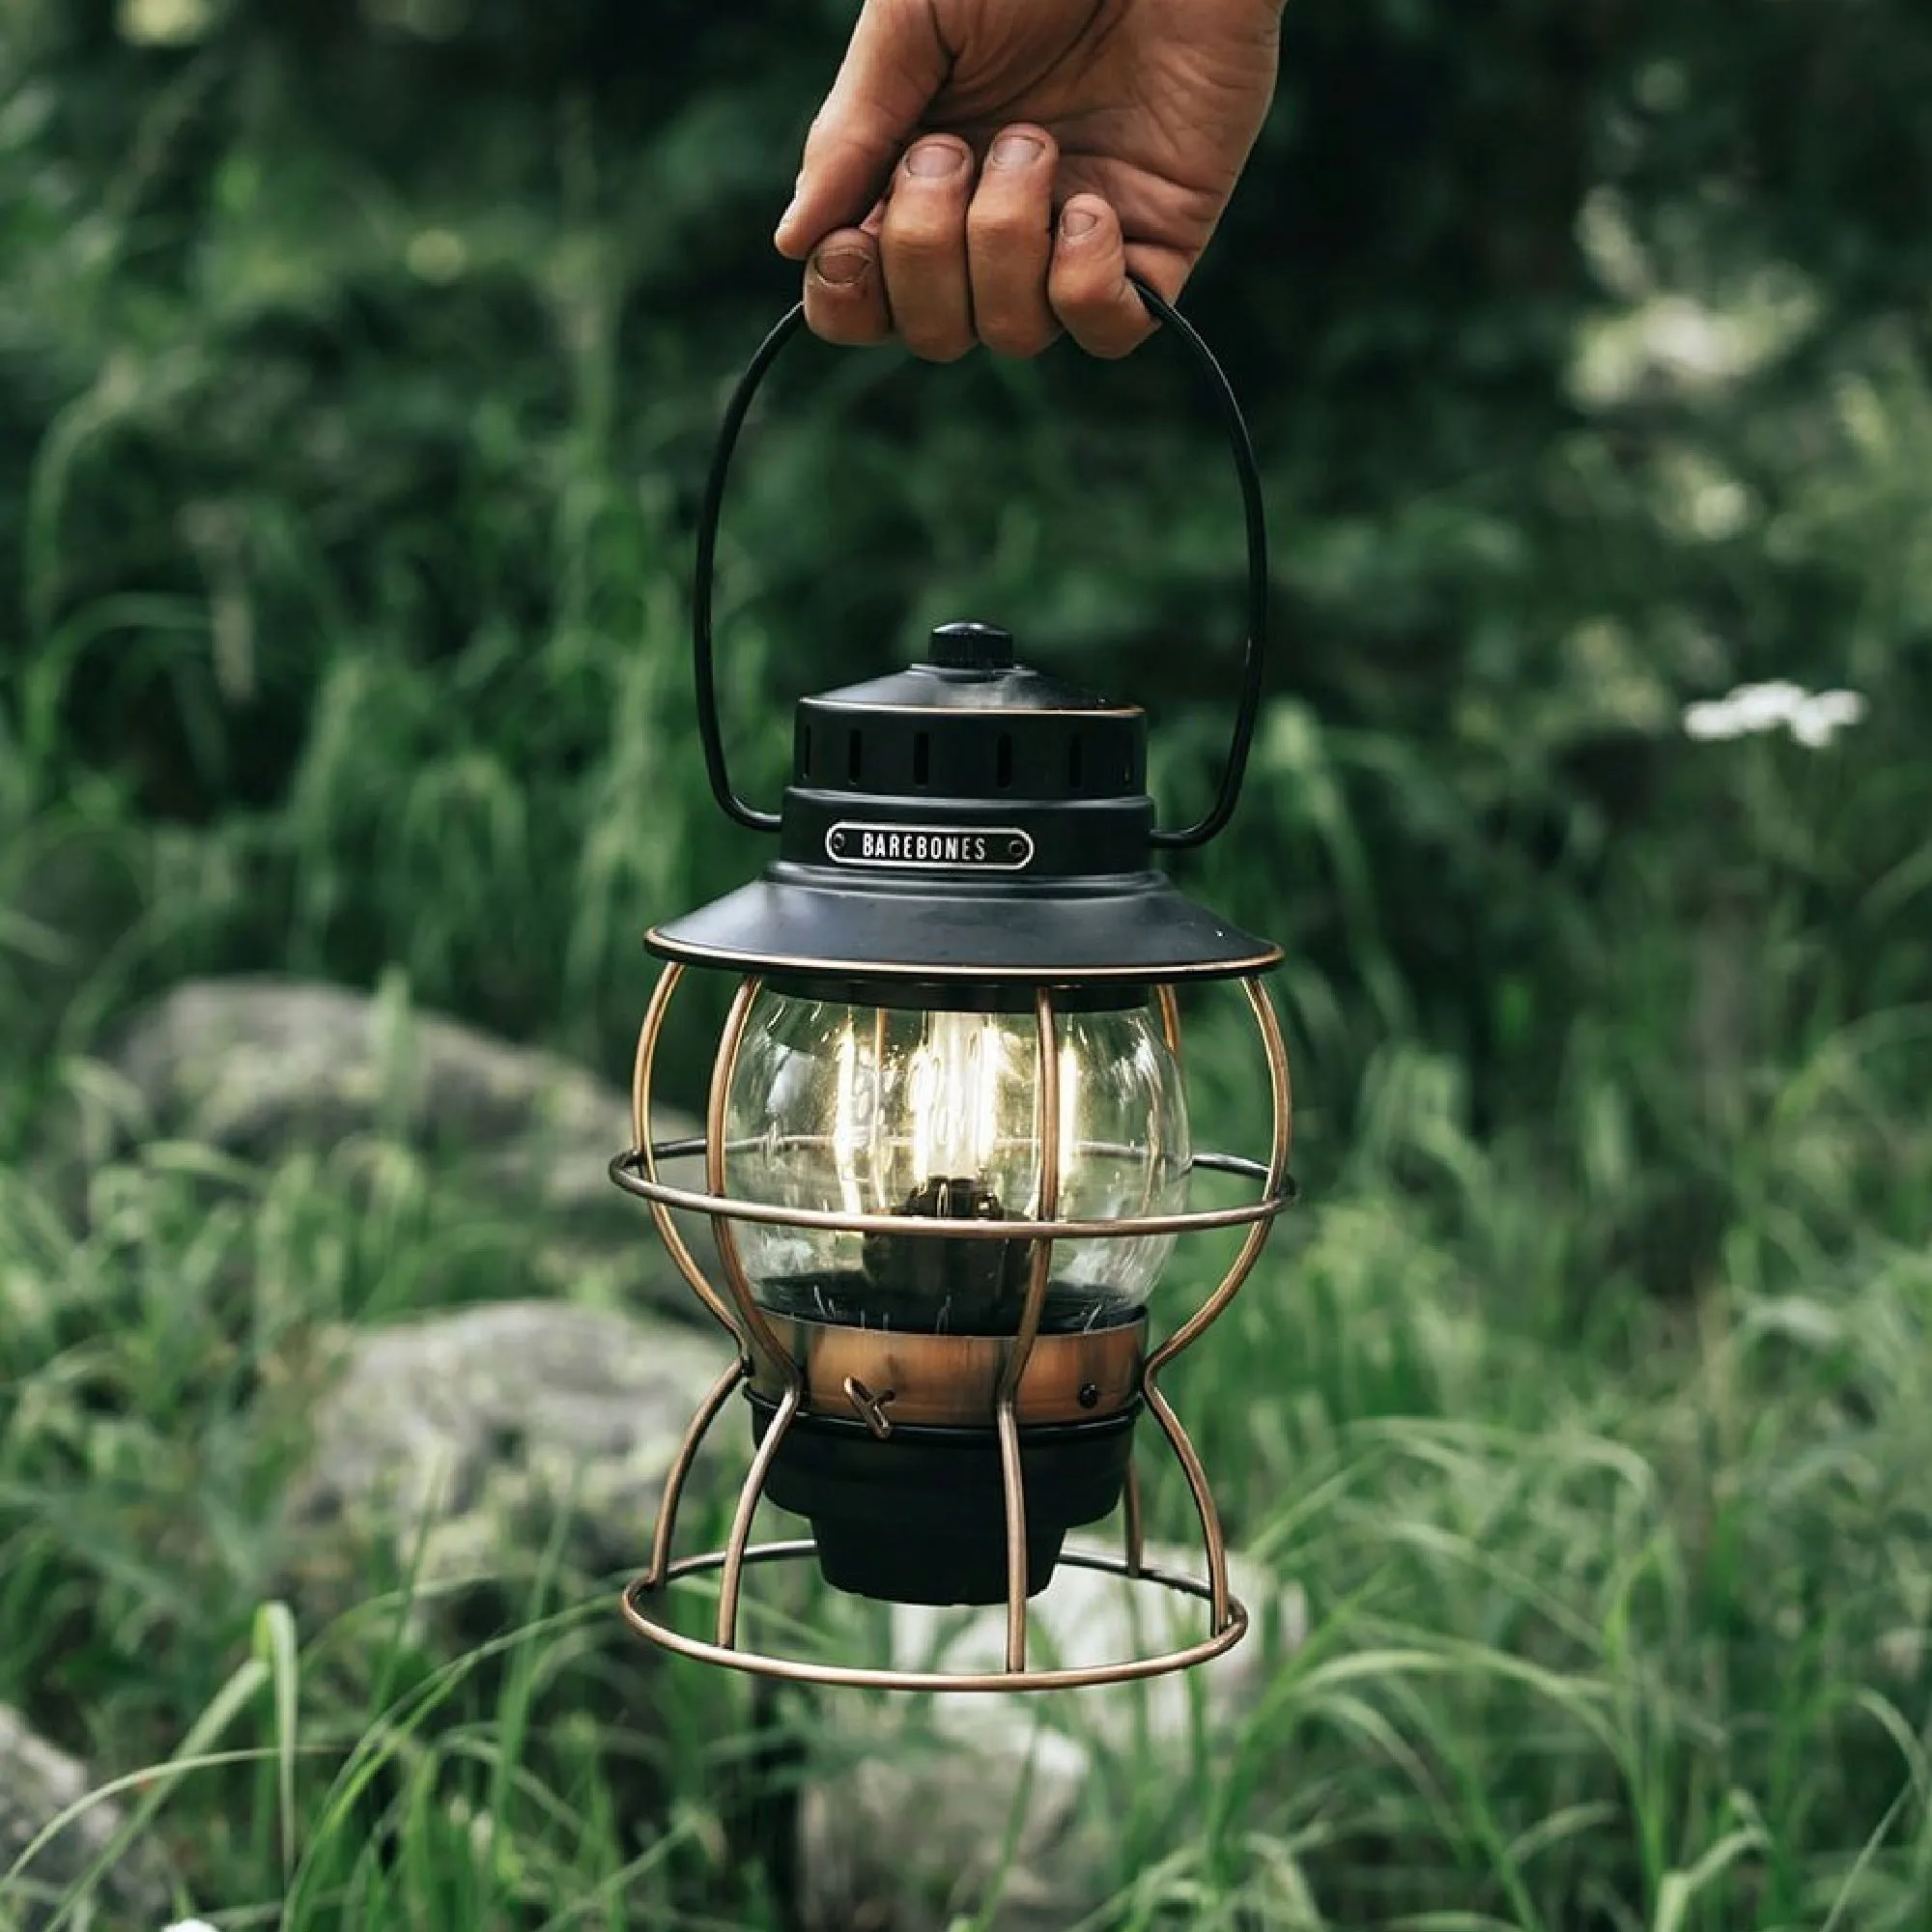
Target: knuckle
x: 919, y: 250
x: 996, y: 221
x: 923, y: 214
x: 1079, y: 301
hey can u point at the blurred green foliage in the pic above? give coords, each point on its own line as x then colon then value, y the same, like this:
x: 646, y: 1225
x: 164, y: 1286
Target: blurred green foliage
x: 357, y: 369
x: 354, y: 357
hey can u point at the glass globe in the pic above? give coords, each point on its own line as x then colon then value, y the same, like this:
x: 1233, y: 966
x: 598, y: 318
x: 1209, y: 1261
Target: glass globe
x: 871, y: 1110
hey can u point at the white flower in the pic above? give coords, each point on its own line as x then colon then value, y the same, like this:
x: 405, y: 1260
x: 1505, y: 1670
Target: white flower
x: 1812, y: 718
x: 189, y: 1925
x: 1822, y: 717
x: 1760, y: 706
x: 1711, y: 721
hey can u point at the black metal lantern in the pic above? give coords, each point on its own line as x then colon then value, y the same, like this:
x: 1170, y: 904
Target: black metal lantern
x: 946, y: 1150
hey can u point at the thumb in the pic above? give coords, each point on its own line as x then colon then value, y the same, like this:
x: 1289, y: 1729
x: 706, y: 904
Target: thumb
x: 893, y: 67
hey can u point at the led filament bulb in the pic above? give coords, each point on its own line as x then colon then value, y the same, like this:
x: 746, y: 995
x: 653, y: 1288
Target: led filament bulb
x: 875, y: 1110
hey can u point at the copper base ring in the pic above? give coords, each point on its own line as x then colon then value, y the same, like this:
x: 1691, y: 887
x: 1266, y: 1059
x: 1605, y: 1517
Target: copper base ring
x: 852, y: 1677
x: 889, y: 1377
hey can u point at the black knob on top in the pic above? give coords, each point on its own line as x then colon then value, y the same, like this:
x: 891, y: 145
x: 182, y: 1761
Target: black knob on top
x: 972, y: 647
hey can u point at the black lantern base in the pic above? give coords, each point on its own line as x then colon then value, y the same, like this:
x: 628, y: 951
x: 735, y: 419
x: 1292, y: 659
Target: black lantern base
x: 919, y: 1516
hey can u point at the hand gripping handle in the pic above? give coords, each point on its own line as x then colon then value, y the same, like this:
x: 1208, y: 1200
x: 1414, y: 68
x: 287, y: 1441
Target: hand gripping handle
x: 1230, y: 412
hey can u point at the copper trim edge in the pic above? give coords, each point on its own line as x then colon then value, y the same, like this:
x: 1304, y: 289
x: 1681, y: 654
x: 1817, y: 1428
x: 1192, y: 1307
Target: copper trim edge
x: 855, y: 1677
x: 1276, y: 1186
x: 732, y: 1564
x: 761, y: 963
x: 646, y: 1150
x: 954, y: 1381
x: 1170, y: 1023
x: 1046, y: 1129
x: 726, y: 1207
x: 1213, y: 1539
x: 756, y: 1325
x: 679, y: 1472
x: 1004, y: 711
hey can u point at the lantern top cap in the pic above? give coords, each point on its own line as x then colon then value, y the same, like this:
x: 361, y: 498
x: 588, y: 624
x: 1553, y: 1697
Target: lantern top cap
x: 971, y: 646
x: 970, y: 667
x: 963, y: 829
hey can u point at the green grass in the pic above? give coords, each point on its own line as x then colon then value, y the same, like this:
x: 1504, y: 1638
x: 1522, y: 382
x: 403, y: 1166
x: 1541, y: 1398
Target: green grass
x: 1588, y: 1396
x: 1614, y: 1622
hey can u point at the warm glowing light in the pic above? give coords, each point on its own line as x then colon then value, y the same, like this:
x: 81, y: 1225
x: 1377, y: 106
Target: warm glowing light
x: 898, y: 1111
x: 845, y: 1136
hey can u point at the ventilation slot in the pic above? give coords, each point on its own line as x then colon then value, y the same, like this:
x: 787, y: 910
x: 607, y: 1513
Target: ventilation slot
x: 922, y: 760
x: 854, y: 757
x: 804, y: 751
x: 1074, y: 764
x: 1003, y: 766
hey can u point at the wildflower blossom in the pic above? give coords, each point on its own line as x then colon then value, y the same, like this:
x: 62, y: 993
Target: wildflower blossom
x: 1813, y: 718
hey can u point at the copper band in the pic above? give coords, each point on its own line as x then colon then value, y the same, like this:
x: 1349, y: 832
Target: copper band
x: 627, y: 1170
x: 641, y: 1607
x: 954, y: 1381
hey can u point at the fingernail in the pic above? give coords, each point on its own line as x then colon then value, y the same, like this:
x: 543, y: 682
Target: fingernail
x: 932, y: 159
x: 786, y: 219
x: 841, y: 266
x: 1075, y: 223
x: 1016, y: 151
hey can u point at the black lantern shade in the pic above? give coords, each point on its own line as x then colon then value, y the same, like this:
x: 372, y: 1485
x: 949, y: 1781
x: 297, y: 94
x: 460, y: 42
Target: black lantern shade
x: 946, y: 1150
x: 964, y: 822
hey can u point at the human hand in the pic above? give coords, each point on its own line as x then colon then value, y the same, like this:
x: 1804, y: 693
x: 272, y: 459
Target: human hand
x: 1128, y: 120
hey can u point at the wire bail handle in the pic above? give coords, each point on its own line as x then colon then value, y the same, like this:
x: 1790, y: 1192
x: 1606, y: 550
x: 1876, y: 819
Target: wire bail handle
x: 1255, y: 516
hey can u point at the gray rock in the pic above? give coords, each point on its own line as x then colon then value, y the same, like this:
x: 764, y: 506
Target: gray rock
x: 921, y: 1810
x: 37, y: 1783
x: 258, y: 1066
x: 459, y: 1440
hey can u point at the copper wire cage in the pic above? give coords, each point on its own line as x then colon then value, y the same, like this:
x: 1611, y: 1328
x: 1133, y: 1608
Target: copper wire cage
x: 763, y: 1355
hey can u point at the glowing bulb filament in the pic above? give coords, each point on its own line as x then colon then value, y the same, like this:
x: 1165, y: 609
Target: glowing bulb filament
x: 846, y: 1135
x: 953, y: 1085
